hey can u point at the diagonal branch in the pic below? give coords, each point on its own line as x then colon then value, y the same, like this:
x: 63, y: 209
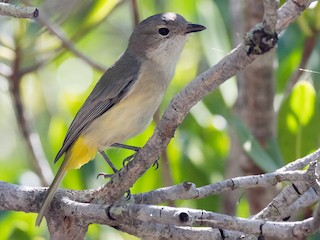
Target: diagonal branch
x: 205, y: 83
x: 279, y: 207
x: 270, y: 14
x: 301, y: 162
x: 56, y: 31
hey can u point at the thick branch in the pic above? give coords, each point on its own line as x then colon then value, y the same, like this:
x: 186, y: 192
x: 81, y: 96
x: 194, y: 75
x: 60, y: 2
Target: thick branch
x: 200, y: 218
x: 18, y: 11
x: 270, y: 14
x: 130, y: 217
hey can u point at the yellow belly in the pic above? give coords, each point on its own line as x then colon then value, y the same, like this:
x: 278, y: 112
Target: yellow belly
x: 80, y: 153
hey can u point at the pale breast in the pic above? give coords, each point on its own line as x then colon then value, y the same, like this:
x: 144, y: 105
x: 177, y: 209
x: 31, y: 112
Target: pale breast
x: 134, y: 112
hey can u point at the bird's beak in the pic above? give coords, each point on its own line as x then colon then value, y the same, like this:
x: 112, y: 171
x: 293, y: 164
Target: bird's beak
x: 194, y: 28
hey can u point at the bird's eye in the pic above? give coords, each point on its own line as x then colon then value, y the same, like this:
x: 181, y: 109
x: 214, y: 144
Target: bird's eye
x: 164, y: 31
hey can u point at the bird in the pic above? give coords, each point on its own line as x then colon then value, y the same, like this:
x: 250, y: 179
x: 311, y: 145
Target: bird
x: 126, y: 97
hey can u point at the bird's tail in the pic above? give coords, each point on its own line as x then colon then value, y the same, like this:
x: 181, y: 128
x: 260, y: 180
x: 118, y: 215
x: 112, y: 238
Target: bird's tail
x: 79, y: 154
x: 51, y: 191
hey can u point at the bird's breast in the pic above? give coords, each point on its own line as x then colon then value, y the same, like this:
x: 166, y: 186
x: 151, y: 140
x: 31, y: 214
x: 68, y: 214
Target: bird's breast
x: 134, y: 112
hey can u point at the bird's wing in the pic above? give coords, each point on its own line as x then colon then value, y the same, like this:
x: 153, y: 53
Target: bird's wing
x: 113, y: 86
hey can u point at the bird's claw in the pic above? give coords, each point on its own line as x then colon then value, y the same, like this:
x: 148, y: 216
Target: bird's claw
x: 156, y: 164
x: 128, y: 194
x: 104, y: 175
x: 128, y: 159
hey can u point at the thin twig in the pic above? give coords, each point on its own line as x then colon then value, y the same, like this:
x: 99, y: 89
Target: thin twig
x: 301, y: 162
x: 56, y: 31
x: 279, y: 207
x: 188, y: 190
x: 135, y: 12
x: 309, y: 45
x: 38, y: 160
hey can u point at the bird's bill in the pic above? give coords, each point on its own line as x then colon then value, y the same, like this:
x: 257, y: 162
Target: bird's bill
x: 194, y: 28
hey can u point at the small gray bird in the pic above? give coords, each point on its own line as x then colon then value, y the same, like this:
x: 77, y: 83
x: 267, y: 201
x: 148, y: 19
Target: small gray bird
x: 128, y: 94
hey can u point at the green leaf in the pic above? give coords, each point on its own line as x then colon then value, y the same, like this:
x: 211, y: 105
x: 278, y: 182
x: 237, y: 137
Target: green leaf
x: 298, y: 122
x: 288, y: 57
x: 18, y: 233
x: 100, y: 10
x: 302, y: 102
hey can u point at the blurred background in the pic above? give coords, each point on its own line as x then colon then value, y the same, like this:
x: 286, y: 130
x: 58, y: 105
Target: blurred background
x: 256, y: 123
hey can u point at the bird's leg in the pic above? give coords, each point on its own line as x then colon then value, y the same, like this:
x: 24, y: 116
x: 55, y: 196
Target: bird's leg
x: 125, y: 161
x: 124, y: 146
x: 114, y: 169
x: 133, y: 148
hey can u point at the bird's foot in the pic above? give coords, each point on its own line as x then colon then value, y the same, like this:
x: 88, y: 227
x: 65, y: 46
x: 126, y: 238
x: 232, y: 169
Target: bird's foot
x: 128, y: 159
x: 104, y: 175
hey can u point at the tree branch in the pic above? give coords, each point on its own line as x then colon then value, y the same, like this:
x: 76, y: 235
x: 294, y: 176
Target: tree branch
x: 206, y: 82
x: 38, y: 161
x: 200, y: 218
x: 270, y: 17
x: 18, y: 11
x: 56, y: 31
x: 278, y: 208
x: 301, y: 162
x: 131, y: 216
x: 188, y: 190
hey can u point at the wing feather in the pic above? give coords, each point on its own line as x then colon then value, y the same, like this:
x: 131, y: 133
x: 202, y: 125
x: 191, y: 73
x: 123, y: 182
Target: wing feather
x: 113, y: 86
